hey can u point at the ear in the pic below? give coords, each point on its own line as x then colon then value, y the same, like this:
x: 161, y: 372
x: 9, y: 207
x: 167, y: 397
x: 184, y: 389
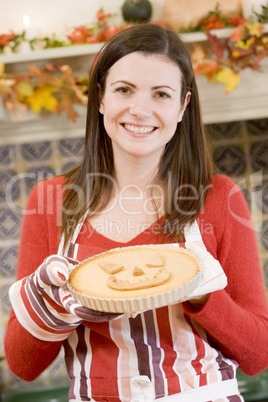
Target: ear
x: 183, y: 107
x: 101, y: 107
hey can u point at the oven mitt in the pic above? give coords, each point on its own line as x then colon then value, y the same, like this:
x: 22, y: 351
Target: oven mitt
x: 45, y: 308
x: 213, y: 276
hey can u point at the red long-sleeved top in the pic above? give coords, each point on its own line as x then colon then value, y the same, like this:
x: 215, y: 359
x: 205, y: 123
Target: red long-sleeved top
x: 235, y: 318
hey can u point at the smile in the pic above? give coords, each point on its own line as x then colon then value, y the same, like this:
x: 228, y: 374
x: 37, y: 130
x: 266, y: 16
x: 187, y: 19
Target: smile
x: 139, y: 129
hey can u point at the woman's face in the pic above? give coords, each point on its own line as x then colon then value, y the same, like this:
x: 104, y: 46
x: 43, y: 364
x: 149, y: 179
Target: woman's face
x: 141, y: 105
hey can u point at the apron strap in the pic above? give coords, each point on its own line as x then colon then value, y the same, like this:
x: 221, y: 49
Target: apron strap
x: 192, y: 234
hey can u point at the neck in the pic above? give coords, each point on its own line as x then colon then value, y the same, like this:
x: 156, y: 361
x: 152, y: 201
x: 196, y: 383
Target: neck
x: 135, y: 172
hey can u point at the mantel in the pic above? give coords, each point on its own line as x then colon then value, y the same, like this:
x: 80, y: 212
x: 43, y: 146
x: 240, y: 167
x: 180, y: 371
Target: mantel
x: 91, y: 49
x: 248, y: 101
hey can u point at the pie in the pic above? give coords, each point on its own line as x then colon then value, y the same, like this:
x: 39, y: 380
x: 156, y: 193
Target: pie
x: 130, y: 279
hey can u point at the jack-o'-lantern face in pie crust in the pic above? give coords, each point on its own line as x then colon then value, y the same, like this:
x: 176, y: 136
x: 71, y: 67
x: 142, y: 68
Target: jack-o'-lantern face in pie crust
x: 132, y: 272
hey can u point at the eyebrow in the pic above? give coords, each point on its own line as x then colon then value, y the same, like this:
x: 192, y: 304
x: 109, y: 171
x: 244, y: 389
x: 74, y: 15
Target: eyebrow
x: 134, y: 86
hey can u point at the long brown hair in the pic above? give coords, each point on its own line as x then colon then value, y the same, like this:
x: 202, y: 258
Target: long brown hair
x: 185, y: 166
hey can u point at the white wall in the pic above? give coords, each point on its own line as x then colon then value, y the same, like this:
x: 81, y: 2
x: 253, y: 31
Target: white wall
x: 59, y: 16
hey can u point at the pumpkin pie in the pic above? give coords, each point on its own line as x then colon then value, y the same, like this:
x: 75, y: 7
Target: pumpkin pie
x: 133, y: 279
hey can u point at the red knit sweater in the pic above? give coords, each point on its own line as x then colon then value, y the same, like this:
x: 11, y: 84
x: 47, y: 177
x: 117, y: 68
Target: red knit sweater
x: 235, y: 318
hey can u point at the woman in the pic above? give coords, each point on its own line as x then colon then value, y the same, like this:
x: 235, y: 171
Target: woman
x: 145, y: 178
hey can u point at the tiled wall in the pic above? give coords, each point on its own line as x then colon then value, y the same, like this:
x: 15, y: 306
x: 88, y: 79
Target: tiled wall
x: 240, y: 150
x: 27, y: 163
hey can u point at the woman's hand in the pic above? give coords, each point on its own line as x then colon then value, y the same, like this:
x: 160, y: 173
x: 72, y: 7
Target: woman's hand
x: 45, y: 307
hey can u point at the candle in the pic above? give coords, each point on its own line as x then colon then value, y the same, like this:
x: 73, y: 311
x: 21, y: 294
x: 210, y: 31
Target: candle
x: 31, y: 31
x: 30, y: 34
x: 26, y: 21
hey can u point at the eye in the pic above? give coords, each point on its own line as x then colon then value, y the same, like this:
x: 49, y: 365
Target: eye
x: 162, y: 95
x: 123, y: 90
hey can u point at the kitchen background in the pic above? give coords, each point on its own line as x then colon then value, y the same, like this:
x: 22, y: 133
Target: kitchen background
x: 36, y: 147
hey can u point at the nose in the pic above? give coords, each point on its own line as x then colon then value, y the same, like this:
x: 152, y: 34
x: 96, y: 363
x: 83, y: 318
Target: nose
x: 140, y: 107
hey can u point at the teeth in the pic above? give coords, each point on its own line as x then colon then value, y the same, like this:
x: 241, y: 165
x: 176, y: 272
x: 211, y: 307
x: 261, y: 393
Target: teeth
x: 138, y: 130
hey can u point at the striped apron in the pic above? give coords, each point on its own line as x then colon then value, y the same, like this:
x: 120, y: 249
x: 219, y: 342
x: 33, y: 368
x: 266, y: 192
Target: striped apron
x: 160, y: 354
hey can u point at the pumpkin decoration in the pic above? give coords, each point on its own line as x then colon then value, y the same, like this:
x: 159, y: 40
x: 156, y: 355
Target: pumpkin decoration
x: 137, y: 11
x: 184, y: 14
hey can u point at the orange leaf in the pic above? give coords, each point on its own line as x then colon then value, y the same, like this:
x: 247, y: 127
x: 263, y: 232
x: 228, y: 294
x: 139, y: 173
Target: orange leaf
x: 239, y: 33
x: 67, y: 71
x: 258, y: 58
x: 206, y: 67
x: 35, y: 71
x: 66, y: 105
x: 217, y: 47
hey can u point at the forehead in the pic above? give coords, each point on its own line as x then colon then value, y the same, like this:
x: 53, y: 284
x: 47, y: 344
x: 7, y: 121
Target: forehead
x: 145, y: 67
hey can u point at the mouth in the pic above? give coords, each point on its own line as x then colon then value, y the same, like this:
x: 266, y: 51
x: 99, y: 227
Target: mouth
x: 139, y: 129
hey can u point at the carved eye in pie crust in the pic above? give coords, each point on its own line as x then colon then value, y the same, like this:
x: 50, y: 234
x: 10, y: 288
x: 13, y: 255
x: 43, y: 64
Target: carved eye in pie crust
x: 110, y: 267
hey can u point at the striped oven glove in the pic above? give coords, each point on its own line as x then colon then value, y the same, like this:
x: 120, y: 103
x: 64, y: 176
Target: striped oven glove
x: 45, y: 308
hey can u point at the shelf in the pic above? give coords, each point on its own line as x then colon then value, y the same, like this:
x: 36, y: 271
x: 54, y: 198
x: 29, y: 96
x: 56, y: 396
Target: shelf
x: 53, y: 53
x: 202, y: 36
x: 91, y: 49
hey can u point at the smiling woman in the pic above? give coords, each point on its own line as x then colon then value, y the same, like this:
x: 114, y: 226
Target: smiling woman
x: 144, y: 90
x: 146, y: 178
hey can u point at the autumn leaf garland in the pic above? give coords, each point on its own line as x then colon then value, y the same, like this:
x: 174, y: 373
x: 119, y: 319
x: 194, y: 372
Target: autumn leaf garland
x: 223, y: 60
x: 53, y: 88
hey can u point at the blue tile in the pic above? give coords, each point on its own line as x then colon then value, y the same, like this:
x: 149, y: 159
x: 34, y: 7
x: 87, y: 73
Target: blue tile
x: 265, y: 196
x: 33, y: 176
x: 10, y: 224
x: 5, y: 301
x: 5, y: 154
x: 9, y: 261
x: 265, y: 272
x: 10, y: 185
x: 230, y: 160
x: 223, y: 130
x: 258, y: 127
x: 69, y: 166
x: 259, y: 156
x: 36, y: 151
x: 265, y: 234
x: 4, y: 180
x: 72, y: 146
